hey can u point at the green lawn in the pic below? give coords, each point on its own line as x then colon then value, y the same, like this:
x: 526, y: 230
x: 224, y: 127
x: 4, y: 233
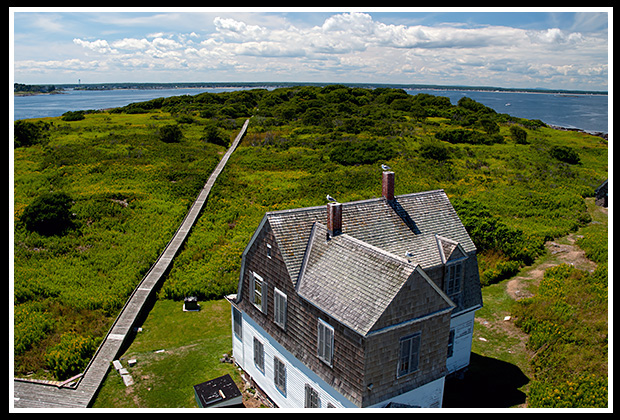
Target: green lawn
x: 192, y: 344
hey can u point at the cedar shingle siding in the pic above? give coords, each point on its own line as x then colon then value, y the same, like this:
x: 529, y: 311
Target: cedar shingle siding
x: 384, y: 277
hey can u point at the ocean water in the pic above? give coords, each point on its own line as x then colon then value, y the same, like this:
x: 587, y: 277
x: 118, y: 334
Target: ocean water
x: 585, y: 112
x: 41, y: 106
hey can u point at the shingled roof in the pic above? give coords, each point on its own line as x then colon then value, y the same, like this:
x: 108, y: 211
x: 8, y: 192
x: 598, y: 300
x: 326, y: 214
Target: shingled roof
x: 422, y: 224
x: 355, y: 282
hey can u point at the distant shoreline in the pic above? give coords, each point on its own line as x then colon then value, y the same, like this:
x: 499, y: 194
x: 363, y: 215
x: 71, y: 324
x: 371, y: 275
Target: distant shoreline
x: 258, y: 85
x: 602, y: 134
x: 56, y: 92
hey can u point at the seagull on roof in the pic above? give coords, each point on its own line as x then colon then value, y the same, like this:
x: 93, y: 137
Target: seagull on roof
x: 385, y: 167
x: 330, y: 198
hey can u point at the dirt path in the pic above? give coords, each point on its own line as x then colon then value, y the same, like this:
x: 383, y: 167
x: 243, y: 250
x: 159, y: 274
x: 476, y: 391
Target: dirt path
x: 496, y: 337
x: 562, y: 251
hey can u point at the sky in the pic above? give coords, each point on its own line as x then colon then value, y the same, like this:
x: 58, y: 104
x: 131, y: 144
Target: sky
x: 566, y: 48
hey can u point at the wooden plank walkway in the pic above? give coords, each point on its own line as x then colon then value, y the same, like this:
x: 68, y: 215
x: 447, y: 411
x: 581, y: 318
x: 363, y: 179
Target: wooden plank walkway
x: 31, y: 394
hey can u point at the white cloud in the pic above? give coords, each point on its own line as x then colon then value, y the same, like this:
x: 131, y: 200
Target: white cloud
x: 165, y: 44
x: 100, y: 45
x: 353, y: 47
x: 131, y: 44
x: 237, y: 30
x: 554, y: 36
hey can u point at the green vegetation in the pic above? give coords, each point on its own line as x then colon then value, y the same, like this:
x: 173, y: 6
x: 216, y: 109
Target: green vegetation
x: 48, y: 214
x: 20, y: 88
x: 30, y: 133
x: 95, y: 204
x: 567, y: 324
x: 130, y: 187
x: 174, y: 351
x: 73, y: 116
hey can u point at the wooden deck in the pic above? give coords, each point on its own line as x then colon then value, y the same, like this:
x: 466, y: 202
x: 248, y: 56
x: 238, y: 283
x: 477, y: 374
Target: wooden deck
x: 30, y: 394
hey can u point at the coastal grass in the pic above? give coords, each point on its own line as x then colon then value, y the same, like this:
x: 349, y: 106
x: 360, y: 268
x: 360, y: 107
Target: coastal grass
x: 129, y: 191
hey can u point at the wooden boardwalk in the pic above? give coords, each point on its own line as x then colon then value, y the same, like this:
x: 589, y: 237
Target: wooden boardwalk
x: 31, y: 394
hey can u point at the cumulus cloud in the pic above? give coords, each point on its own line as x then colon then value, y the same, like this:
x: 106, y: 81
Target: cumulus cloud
x: 237, y: 30
x: 554, y: 36
x: 100, y: 45
x: 362, y: 47
x: 131, y: 44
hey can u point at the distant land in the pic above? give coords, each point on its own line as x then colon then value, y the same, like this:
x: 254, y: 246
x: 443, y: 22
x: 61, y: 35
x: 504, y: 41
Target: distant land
x: 273, y: 85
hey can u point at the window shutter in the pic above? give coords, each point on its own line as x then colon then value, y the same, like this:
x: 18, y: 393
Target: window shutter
x: 325, y: 342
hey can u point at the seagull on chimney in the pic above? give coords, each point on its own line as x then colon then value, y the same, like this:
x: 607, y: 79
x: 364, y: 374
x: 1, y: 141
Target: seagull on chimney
x: 330, y: 198
x: 385, y: 167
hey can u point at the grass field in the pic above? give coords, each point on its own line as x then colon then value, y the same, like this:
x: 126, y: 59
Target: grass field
x: 192, y: 344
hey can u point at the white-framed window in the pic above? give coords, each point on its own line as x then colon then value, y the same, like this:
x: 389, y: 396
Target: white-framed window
x: 454, y: 276
x: 312, y: 397
x: 237, y: 323
x: 279, y: 375
x: 259, y: 355
x: 409, y: 354
x: 258, y: 292
x: 325, y: 342
x: 279, y: 308
x: 268, y: 251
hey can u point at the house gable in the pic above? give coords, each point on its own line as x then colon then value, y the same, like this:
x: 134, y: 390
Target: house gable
x: 350, y: 280
x: 449, y: 250
x: 418, y: 299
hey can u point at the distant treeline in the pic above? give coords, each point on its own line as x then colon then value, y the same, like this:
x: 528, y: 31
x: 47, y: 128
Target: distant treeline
x: 22, y: 88
x: 273, y: 85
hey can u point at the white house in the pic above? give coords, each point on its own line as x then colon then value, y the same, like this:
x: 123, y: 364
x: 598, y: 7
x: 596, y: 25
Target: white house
x: 360, y: 304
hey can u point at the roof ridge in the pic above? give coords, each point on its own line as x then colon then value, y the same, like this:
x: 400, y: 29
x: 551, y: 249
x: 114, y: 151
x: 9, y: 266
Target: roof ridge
x: 376, y: 249
x: 351, y: 203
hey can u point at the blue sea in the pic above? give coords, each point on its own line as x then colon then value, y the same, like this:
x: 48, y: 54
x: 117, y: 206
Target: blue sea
x: 581, y: 111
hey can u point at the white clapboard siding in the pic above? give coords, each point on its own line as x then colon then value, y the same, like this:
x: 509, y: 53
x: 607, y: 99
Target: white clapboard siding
x: 429, y: 395
x: 297, y: 374
x: 463, y: 326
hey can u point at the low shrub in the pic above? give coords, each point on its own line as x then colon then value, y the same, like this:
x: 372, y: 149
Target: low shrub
x: 27, y: 133
x: 461, y: 135
x: 361, y: 152
x: 49, y: 214
x: 170, y: 133
x: 70, y: 356
x: 518, y: 134
x: 565, y: 154
x: 434, y: 150
x: 73, y: 116
x: 567, y: 326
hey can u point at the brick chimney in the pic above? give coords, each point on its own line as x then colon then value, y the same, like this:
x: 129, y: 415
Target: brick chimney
x: 334, y: 219
x: 388, y: 185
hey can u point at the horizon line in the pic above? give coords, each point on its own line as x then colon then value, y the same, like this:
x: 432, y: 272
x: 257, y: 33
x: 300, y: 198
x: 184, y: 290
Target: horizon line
x: 406, y: 85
